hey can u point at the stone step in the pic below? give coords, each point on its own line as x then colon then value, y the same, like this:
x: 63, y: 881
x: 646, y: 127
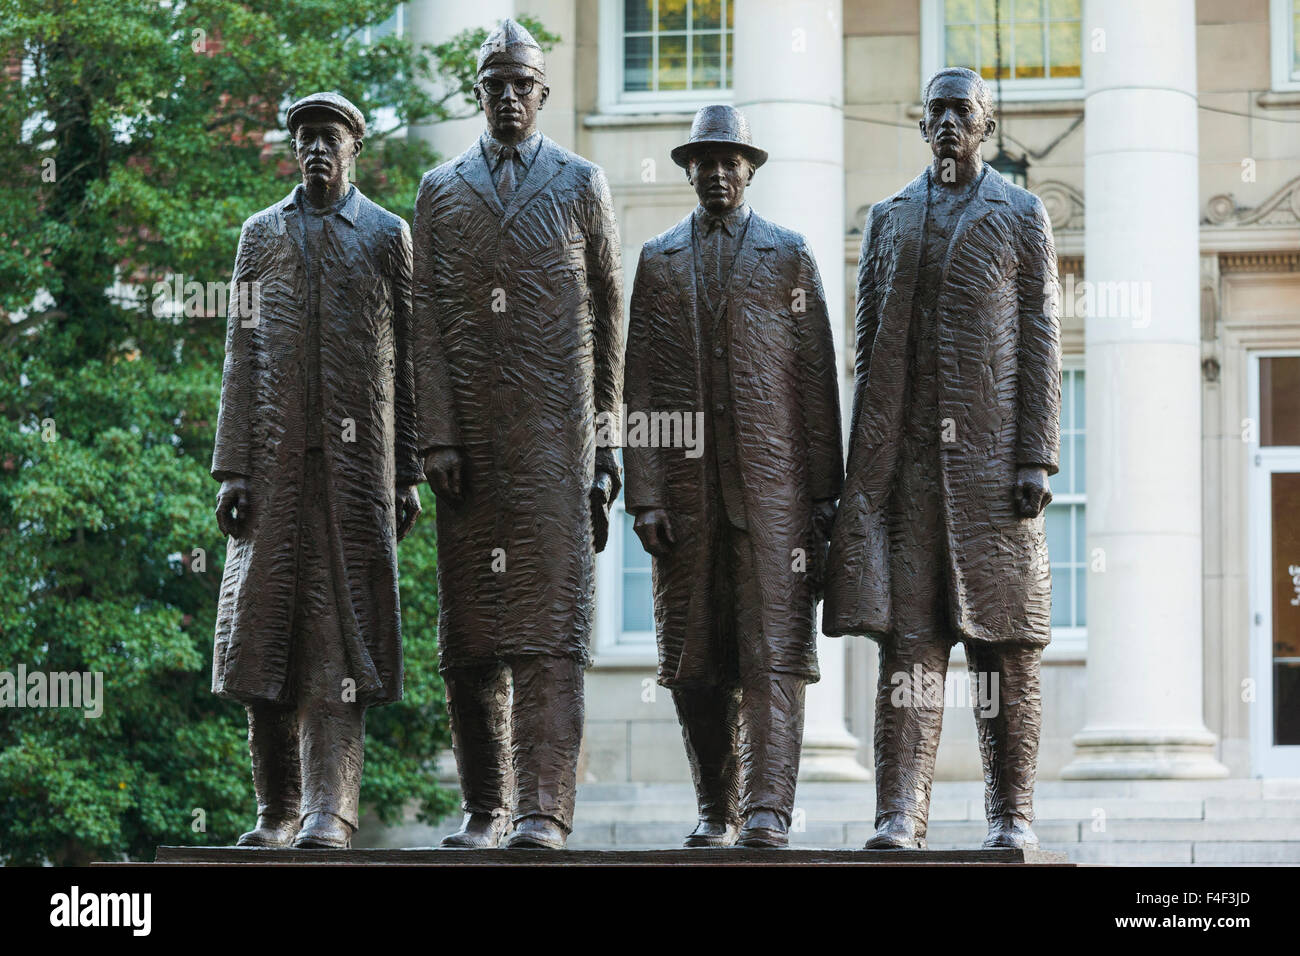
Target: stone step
x: 846, y: 811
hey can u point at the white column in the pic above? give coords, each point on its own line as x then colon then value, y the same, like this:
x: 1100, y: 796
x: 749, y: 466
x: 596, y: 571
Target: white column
x: 1145, y: 694
x: 433, y: 21
x: 788, y: 78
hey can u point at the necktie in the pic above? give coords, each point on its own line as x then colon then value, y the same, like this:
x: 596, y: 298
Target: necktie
x: 506, y: 174
x: 713, y: 259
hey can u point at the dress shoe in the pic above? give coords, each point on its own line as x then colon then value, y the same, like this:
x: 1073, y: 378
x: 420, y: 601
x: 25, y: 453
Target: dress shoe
x: 711, y: 833
x: 324, y: 831
x: 537, y: 833
x: 897, y: 831
x: 764, y: 830
x: 479, y: 831
x: 1010, y: 830
x: 270, y: 832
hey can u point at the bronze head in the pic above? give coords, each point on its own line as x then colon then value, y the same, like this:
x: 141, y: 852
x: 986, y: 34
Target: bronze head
x: 511, y: 86
x: 326, y: 134
x: 958, y: 114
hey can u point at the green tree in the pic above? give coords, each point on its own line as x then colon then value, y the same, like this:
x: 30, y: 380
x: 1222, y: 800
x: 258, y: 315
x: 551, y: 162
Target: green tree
x: 137, y: 136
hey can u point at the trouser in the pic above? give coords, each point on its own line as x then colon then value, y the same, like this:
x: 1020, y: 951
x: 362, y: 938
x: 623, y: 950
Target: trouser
x: 308, y: 752
x: 744, y: 733
x: 517, y: 756
x: 909, y: 718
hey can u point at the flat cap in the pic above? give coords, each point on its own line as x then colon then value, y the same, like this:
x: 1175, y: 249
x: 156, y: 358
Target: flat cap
x: 332, y: 102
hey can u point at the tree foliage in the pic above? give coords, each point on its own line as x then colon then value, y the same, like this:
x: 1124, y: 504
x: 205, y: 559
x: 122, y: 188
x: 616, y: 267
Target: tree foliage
x: 137, y: 135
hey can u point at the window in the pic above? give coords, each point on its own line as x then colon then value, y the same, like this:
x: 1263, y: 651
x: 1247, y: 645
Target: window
x: 665, y: 54
x: 625, y: 620
x: 1066, y: 538
x: 395, y: 25
x: 1285, y: 32
x: 1042, y: 43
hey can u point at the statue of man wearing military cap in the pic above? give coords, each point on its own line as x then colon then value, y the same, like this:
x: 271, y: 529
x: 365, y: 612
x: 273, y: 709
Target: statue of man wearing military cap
x: 728, y: 320
x: 518, y: 328
x: 316, y: 455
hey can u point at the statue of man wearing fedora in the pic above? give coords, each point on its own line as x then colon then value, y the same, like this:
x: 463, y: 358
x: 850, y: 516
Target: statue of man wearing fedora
x: 316, y: 455
x: 518, y: 305
x: 728, y: 321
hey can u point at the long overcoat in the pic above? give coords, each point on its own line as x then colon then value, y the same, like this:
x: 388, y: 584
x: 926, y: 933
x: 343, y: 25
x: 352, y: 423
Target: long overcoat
x: 785, y: 414
x: 368, y: 433
x: 518, y: 327
x: 999, y: 358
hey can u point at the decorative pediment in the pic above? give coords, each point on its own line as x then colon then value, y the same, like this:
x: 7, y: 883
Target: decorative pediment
x: 1064, y: 204
x: 1280, y: 209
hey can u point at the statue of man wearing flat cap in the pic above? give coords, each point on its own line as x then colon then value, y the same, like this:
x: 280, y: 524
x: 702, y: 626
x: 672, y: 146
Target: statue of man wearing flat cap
x: 316, y: 455
x: 518, y: 308
x: 728, y: 321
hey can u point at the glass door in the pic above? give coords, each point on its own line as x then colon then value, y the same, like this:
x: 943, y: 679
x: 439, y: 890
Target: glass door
x: 1275, y: 565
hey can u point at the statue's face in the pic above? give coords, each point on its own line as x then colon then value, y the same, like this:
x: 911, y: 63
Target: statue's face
x: 720, y: 175
x: 510, y: 96
x: 955, y: 123
x: 324, y: 146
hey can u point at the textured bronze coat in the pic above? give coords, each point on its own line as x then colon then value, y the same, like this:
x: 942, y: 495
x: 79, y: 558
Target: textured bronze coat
x: 518, y: 330
x: 366, y: 376
x: 785, y: 410
x: 999, y: 388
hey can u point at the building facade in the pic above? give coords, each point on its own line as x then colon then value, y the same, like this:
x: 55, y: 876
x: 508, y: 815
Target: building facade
x: 1163, y: 137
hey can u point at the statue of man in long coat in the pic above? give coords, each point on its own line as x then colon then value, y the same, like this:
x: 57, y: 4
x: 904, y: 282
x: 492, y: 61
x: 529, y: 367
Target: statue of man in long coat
x: 728, y: 321
x: 518, y: 321
x: 956, y: 428
x: 316, y: 455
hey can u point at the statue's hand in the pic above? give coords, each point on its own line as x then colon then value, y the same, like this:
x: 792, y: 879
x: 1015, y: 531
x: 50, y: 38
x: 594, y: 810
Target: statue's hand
x: 600, y: 494
x: 655, y: 531
x: 408, y: 509
x: 1031, y: 493
x: 445, y: 468
x: 232, y: 506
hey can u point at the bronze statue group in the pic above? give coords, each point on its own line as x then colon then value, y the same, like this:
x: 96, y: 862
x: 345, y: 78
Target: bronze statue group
x: 481, y: 353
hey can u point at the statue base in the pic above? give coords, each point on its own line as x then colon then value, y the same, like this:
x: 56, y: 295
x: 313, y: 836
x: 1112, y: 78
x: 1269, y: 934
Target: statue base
x: 429, y: 856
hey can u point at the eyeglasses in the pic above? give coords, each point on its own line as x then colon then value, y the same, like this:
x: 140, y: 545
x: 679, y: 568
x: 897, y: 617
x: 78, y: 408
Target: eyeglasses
x: 523, y: 85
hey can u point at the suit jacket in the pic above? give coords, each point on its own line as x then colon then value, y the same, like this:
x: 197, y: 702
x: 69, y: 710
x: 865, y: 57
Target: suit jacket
x: 365, y: 376
x: 785, y: 412
x: 518, y: 333
x: 999, y: 359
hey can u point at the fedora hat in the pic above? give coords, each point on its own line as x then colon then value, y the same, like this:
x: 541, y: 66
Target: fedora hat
x: 719, y: 125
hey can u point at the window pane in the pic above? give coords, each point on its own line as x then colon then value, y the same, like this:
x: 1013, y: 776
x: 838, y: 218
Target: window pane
x: 1081, y: 535
x: 706, y: 14
x: 1028, y: 10
x: 636, y: 63
x: 1066, y: 49
x: 638, y: 15
x: 988, y: 39
x: 706, y: 61
x: 1079, y: 405
x: 1057, y: 521
x: 1062, y: 599
x: 959, y: 11
x: 731, y: 13
x: 1029, y: 52
x: 960, y: 47
x: 1279, y: 401
x: 638, y: 605
x: 1081, y: 588
x: 672, y: 62
x: 672, y: 14
x: 1064, y: 9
